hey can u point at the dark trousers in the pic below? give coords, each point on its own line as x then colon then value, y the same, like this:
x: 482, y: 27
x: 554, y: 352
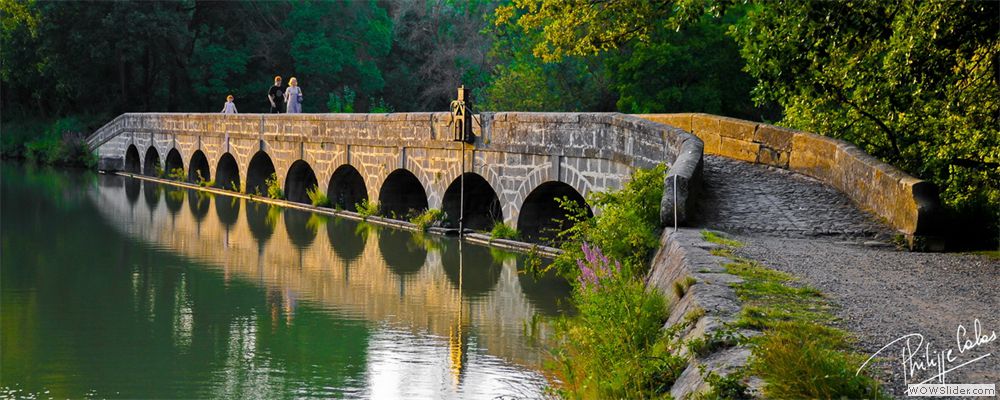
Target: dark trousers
x: 278, y: 108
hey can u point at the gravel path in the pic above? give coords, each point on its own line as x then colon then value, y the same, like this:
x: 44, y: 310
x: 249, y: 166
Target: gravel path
x: 798, y: 225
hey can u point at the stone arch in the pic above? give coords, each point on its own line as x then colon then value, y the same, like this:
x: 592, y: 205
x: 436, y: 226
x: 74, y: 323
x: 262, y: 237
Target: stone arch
x: 401, y: 194
x: 132, y: 162
x: 346, y: 188
x: 198, y: 167
x: 173, y: 161
x: 151, y: 163
x: 258, y: 171
x: 227, y: 173
x: 541, y: 217
x: 482, y: 205
x: 299, y: 179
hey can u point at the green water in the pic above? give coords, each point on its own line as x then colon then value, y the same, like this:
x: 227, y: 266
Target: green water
x: 116, y: 288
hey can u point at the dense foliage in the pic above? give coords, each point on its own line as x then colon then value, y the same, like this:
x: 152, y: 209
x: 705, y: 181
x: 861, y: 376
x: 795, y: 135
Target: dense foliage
x: 912, y: 82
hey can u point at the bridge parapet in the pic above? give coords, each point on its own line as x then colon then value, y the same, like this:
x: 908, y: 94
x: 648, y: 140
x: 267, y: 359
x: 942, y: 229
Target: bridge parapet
x: 909, y: 204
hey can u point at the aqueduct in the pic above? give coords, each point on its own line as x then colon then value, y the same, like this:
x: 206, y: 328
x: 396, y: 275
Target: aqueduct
x: 405, y: 161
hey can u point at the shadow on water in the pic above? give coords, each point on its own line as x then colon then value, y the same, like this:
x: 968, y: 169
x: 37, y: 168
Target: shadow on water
x: 476, y: 273
x: 403, y: 255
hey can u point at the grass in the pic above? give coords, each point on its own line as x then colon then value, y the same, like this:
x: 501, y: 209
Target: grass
x: 503, y: 231
x: 799, y: 355
x: 274, y: 187
x: 719, y: 239
x: 427, y: 219
x: 317, y: 197
x: 367, y: 209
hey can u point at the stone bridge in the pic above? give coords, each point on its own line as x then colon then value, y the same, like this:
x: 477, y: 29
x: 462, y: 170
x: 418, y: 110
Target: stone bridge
x: 518, y: 163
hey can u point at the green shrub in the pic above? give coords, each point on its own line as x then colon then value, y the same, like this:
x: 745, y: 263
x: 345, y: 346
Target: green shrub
x: 317, y: 197
x: 274, y: 187
x: 627, y: 228
x: 614, y: 347
x: 503, y: 231
x: 177, y: 174
x: 427, y: 219
x: 367, y: 208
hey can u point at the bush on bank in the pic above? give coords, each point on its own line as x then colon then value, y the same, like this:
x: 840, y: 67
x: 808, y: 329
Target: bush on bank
x: 60, y: 142
x: 614, y: 346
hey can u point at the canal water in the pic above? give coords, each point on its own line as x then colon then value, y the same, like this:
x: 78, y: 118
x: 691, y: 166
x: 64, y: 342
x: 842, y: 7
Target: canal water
x: 112, y: 287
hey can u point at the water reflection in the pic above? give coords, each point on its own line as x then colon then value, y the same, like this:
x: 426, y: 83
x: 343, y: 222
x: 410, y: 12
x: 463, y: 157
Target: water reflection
x: 402, y: 251
x: 174, y: 199
x: 348, y: 241
x: 132, y: 188
x: 227, y: 210
x: 199, y: 202
x: 151, y: 192
x: 476, y: 277
x: 285, y: 312
x: 297, y: 225
x: 258, y: 220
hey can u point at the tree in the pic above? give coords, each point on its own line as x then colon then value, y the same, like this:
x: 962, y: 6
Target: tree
x: 914, y: 83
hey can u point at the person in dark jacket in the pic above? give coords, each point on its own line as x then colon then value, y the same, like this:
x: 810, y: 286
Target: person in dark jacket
x: 277, y: 96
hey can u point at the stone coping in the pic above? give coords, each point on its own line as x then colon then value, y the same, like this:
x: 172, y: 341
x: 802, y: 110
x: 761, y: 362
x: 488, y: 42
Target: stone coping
x: 908, y: 204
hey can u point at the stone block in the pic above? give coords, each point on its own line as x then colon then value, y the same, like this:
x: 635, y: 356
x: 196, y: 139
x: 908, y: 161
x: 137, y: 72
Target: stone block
x: 704, y: 123
x: 738, y: 149
x: 774, y: 137
x: 737, y: 129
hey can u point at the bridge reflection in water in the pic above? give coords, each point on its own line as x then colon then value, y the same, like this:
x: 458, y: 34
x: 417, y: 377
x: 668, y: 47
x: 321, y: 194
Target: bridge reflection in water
x: 468, y: 297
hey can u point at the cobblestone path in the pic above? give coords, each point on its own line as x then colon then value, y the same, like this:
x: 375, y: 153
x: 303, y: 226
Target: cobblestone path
x: 739, y: 197
x: 798, y: 225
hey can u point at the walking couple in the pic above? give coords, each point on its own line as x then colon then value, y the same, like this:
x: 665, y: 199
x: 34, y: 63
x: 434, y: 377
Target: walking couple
x: 279, y: 97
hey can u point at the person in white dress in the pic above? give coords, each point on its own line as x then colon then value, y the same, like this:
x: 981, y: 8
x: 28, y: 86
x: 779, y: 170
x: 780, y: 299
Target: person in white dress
x: 230, y: 107
x: 293, y: 97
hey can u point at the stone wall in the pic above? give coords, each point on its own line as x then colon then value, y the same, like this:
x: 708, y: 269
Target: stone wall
x: 703, y: 305
x: 907, y: 203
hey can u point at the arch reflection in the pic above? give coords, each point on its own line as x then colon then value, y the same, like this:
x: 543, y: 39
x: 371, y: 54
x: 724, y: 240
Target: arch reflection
x: 401, y: 253
x: 298, y: 226
x: 475, y: 271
